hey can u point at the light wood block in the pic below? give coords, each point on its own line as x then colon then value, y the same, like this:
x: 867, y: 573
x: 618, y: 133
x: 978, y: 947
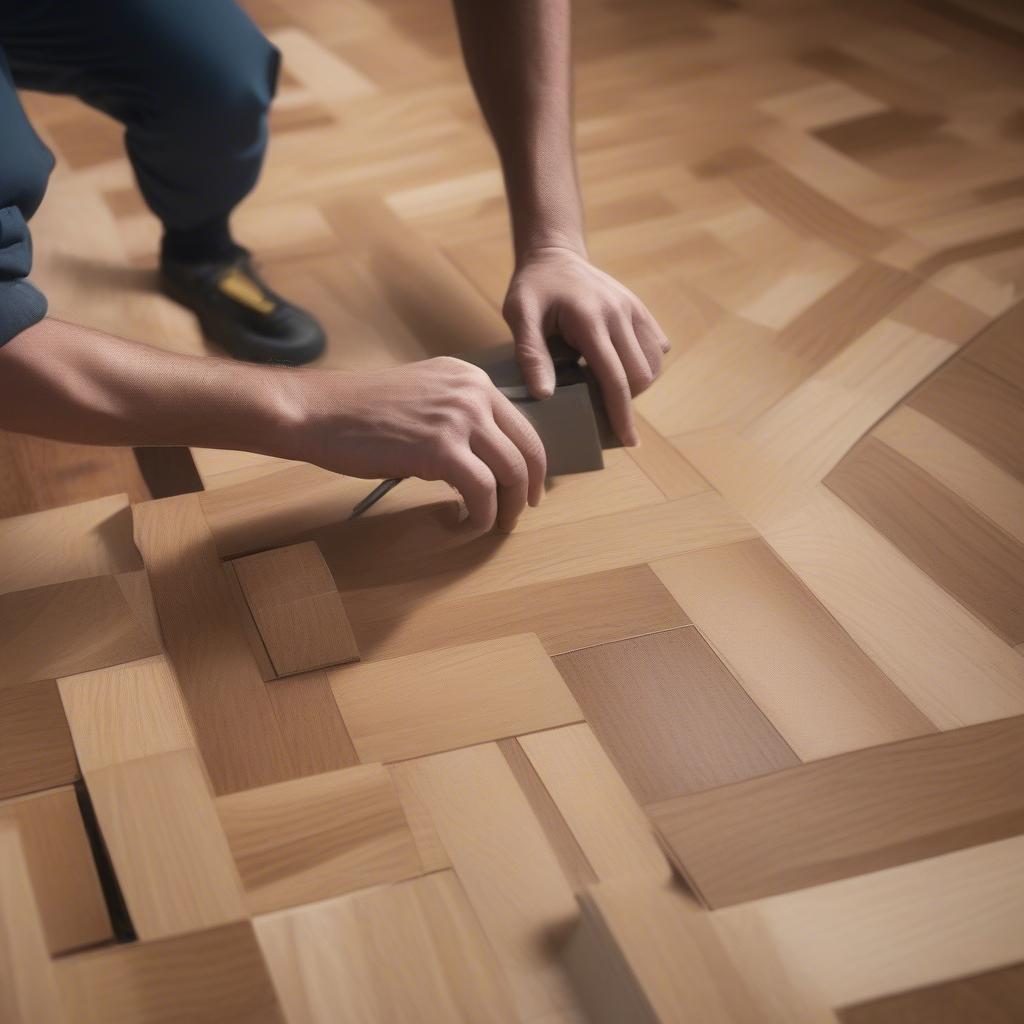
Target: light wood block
x: 297, y: 609
x: 406, y: 953
x: 313, y: 838
x: 167, y: 845
x: 438, y: 700
x: 35, y: 745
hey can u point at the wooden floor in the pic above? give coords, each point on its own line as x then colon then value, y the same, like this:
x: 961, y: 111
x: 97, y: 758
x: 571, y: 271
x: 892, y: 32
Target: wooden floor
x: 732, y: 731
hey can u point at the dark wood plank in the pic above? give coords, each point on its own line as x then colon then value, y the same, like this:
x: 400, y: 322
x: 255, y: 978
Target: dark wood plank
x: 849, y: 815
x: 1000, y: 348
x: 35, y: 742
x: 671, y: 716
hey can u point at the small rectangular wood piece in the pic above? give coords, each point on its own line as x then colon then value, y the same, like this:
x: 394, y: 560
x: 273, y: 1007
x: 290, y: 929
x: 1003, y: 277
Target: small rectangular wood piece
x: 35, y: 744
x: 297, y: 608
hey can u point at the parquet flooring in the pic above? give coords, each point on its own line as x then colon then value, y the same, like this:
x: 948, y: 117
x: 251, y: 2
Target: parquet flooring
x: 777, y: 651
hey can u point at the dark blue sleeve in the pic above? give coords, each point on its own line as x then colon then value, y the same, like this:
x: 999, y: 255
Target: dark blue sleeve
x: 21, y: 303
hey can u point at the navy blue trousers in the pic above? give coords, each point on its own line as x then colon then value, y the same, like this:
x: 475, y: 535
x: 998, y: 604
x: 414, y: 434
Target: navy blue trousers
x: 190, y: 80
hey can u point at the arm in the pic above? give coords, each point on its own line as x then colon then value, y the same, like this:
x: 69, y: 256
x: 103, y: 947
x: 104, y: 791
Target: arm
x: 518, y: 57
x: 441, y: 419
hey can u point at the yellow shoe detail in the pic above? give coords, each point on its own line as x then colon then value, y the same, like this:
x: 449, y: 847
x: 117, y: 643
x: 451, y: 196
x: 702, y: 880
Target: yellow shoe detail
x: 243, y: 289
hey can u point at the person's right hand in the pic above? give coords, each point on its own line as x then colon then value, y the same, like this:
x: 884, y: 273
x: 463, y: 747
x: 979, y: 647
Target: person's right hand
x: 440, y: 419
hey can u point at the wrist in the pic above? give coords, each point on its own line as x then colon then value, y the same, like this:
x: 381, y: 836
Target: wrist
x: 550, y: 243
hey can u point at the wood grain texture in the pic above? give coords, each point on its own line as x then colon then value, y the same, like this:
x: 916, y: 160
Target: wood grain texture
x: 166, y: 844
x: 297, y: 609
x: 438, y: 700
x: 313, y: 838
x: 995, y: 997
x: 670, y: 715
x: 849, y: 815
x: 60, y: 866
x: 28, y: 989
x: 433, y: 856
x: 998, y: 348
x: 216, y: 976
x: 974, y: 560
x: 125, y: 712
x: 813, y: 683
x: 35, y: 744
x: 565, y: 615
x: 235, y: 725
x: 406, y: 953
x: 68, y: 627
x: 668, y: 470
x: 510, y: 873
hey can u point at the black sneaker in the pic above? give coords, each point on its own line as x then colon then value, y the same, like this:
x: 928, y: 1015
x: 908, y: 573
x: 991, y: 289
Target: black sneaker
x: 237, y: 310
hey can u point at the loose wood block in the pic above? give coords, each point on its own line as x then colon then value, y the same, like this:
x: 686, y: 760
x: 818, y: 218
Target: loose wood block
x: 68, y: 627
x: 216, y: 976
x: 670, y: 715
x: 169, y: 851
x: 409, y: 952
x: 28, y: 990
x: 437, y: 700
x: 124, y: 712
x: 850, y: 814
x: 510, y: 873
x: 297, y: 609
x: 974, y: 560
x: 35, y: 744
x: 60, y: 864
x: 813, y: 683
x: 565, y: 615
x: 317, y: 837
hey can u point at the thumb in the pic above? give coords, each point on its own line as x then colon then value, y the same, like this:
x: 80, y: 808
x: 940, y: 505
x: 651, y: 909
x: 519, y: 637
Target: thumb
x: 533, y: 358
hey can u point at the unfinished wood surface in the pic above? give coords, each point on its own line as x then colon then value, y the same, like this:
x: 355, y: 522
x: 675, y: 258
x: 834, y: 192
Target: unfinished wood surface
x: 510, y: 873
x: 403, y: 954
x: 60, y: 865
x: 166, y: 844
x: 296, y: 607
x: 671, y: 716
x: 215, y: 976
x: 244, y: 616
x: 849, y: 815
x: 235, y: 726
x: 979, y: 564
x: 438, y: 700
x: 313, y: 838
x: 813, y: 683
x: 432, y: 854
x: 565, y: 615
x: 669, y: 471
x: 35, y: 744
x: 124, y: 712
x: 995, y: 997
x: 68, y: 627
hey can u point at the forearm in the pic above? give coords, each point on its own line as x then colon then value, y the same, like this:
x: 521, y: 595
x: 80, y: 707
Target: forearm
x: 519, y: 59
x: 70, y: 383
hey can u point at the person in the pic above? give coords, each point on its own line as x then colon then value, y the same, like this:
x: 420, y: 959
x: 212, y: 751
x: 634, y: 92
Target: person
x: 192, y: 82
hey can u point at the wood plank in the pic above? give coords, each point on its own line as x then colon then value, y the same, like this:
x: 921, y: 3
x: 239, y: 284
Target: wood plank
x: 565, y: 615
x: 848, y: 815
x: 35, y: 744
x: 611, y: 829
x: 234, y: 721
x: 60, y: 866
x: 437, y: 700
x: 998, y: 348
x: 813, y: 683
x: 28, y: 988
x: 93, y: 538
x: 248, y: 623
x: 409, y: 952
x: 433, y: 855
x: 510, y: 873
x: 663, y: 464
x: 166, y: 843
x: 125, y: 712
x: 975, y: 561
x: 313, y: 838
x: 671, y: 716
x: 216, y: 976
x: 995, y: 997
x: 297, y: 609
x: 68, y: 627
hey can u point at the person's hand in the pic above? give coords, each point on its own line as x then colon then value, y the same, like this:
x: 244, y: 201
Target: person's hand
x: 441, y: 419
x: 557, y: 291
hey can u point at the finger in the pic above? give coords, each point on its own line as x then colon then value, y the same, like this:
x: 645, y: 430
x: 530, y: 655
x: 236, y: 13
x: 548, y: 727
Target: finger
x: 634, y: 359
x: 604, y: 361
x: 650, y: 343
x: 479, y: 490
x: 508, y: 466
x: 651, y: 325
x: 523, y: 435
x: 532, y: 351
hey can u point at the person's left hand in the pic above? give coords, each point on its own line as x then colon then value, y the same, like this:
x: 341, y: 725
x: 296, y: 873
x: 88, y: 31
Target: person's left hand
x: 557, y: 291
